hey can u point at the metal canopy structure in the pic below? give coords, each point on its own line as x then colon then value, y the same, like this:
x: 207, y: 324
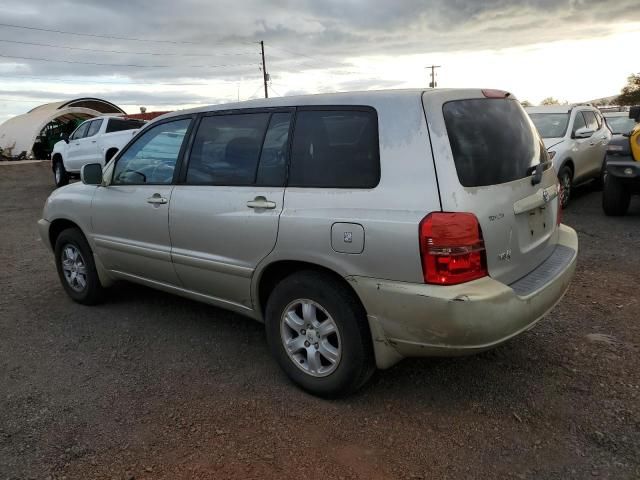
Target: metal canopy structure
x: 18, y: 134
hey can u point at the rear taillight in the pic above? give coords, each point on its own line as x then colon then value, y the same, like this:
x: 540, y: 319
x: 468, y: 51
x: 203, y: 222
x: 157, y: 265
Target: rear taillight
x: 452, y: 248
x: 559, y: 205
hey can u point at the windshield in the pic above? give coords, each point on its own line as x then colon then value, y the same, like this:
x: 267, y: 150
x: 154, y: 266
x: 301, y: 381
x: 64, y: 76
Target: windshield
x: 550, y: 125
x: 619, y: 125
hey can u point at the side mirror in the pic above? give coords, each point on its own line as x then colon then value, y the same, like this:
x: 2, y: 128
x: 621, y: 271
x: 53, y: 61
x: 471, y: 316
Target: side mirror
x: 91, y: 174
x: 65, y: 137
x: 583, y: 132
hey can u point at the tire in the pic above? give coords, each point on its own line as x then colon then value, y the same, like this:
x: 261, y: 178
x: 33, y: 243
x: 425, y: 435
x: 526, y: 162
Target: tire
x: 60, y: 175
x: 334, y: 305
x: 565, y: 177
x: 84, y: 287
x: 615, y: 197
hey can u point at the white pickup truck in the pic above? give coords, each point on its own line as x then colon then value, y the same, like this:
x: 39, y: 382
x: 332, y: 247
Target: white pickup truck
x: 95, y: 141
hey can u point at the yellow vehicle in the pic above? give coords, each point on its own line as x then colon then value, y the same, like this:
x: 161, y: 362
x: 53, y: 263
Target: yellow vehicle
x: 622, y: 176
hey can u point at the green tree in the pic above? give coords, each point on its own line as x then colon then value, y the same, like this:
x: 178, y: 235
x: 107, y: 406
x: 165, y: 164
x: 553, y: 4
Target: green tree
x: 630, y: 94
x: 550, y: 101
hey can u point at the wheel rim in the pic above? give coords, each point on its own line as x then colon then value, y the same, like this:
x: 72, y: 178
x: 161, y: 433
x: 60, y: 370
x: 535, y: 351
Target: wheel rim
x: 74, y: 268
x: 565, y: 183
x: 58, y: 173
x: 311, y: 338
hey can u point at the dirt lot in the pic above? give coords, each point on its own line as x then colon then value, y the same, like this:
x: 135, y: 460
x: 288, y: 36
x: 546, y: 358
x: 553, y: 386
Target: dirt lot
x: 150, y: 386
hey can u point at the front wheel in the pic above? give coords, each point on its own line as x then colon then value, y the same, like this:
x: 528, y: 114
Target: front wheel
x: 76, y: 267
x: 60, y: 174
x: 318, y: 332
x: 615, y: 197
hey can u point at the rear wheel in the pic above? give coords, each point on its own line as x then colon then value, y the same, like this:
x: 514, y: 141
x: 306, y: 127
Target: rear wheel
x: 615, y: 197
x: 565, y: 177
x: 76, y: 268
x: 318, y: 333
x: 60, y: 175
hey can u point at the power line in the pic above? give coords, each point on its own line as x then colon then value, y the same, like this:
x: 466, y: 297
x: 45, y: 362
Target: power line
x: 96, y: 35
x: 317, y: 59
x: 99, y: 82
x: 126, y: 52
x: 25, y: 101
x: 125, y: 64
x: 274, y: 90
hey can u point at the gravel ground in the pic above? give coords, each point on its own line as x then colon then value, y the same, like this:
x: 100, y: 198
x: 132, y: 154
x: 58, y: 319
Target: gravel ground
x: 150, y: 386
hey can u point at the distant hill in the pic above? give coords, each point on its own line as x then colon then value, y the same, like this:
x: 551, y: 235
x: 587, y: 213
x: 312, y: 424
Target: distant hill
x: 603, y: 101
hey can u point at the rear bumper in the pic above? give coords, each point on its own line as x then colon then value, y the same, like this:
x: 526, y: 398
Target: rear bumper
x: 410, y: 320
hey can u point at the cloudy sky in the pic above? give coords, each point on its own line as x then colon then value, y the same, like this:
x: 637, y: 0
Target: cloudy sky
x: 168, y: 54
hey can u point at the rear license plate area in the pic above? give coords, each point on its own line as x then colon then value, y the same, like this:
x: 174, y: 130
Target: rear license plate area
x: 538, y: 222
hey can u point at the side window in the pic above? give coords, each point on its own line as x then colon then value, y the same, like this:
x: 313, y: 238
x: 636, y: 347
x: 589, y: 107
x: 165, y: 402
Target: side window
x: 118, y: 125
x: 226, y: 149
x: 590, y: 119
x: 599, y: 119
x: 80, y: 132
x: 578, y: 122
x: 152, y: 158
x: 335, y: 149
x: 94, y: 127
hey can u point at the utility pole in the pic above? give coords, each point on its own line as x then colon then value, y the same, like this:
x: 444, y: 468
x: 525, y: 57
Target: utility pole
x: 265, y: 75
x: 433, y: 83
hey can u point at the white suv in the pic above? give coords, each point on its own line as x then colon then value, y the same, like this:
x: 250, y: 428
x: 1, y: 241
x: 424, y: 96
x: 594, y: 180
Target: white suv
x: 576, y: 138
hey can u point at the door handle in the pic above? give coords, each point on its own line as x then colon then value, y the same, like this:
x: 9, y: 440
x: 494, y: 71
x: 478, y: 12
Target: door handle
x: 156, y: 199
x: 260, y: 202
x: 93, y: 141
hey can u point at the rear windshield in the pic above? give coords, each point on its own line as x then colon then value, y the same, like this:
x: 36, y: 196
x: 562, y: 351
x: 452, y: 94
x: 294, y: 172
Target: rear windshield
x: 550, y: 125
x: 492, y: 140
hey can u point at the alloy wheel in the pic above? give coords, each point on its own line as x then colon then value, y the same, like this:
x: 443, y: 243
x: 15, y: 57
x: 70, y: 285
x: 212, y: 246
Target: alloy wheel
x: 311, y: 338
x: 74, y: 268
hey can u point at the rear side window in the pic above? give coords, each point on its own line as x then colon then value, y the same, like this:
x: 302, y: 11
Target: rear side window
x: 492, y: 141
x: 118, y: 125
x: 335, y: 149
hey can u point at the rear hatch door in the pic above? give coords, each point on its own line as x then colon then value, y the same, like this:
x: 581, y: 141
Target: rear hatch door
x: 491, y: 162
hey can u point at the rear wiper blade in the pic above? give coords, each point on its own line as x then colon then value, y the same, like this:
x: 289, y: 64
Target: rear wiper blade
x: 536, y: 172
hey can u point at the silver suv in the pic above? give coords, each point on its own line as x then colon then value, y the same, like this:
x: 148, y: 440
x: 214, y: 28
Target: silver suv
x: 361, y: 228
x: 576, y: 138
